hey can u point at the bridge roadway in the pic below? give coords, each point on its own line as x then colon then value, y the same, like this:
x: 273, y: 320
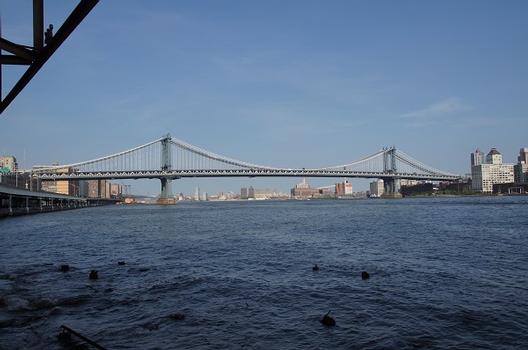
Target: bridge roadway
x: 176, y: 174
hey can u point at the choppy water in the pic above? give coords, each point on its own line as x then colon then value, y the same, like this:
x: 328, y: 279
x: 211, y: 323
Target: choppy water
x: 447, y: 273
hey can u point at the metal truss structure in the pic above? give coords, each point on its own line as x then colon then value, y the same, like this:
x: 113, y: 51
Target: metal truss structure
x: 44, y: 45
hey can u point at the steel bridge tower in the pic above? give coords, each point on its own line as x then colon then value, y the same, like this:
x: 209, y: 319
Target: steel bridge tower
x: 166, y: 165
x: 391, y: 184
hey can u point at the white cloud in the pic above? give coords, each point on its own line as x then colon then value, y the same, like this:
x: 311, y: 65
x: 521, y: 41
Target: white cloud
x: 450, y: 105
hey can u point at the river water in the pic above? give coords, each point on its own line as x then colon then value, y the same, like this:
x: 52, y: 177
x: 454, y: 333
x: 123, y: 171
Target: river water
x: 445, y: 273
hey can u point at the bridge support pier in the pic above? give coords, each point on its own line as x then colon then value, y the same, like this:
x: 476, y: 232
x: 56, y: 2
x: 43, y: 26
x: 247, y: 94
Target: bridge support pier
x: 391, y: 188
x: 166, y: 191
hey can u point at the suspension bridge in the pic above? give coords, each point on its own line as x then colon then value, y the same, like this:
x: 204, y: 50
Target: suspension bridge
x: 168, y: 158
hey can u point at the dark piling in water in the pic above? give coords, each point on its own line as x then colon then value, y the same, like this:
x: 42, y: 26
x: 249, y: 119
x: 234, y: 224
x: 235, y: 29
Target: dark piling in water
x: 64, y: 268
x: 315, y: 268
x: 365, y: 275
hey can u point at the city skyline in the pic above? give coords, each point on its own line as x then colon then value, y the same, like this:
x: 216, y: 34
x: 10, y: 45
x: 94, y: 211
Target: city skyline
x: 260, y: 82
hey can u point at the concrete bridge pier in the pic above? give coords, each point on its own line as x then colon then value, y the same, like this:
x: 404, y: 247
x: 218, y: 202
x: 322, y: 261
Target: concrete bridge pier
x: 166, y: 190
x: 391, y: 188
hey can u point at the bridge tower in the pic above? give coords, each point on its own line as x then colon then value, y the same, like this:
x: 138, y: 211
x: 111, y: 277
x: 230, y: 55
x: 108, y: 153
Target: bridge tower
x: 166, y: 164
x: 391, y: 183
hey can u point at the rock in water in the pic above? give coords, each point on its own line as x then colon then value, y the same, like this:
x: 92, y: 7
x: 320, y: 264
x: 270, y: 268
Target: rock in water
x: 315, y: 268
x: 120, y: 263
x: 64, y: 268
x: 94, y: 275
x: 328, y: 321
x: 365, y: 275
x: 177, y: 316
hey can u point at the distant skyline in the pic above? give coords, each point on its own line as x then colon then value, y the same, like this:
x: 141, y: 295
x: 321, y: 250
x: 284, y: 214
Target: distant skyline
x: 295, y: 84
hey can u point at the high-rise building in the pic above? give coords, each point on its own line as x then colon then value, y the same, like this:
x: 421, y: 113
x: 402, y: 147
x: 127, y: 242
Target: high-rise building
x: 197, y: 194
x: 484, y: 176
x: 494, y: 157
x: 521, y: 168
x: 477, y: 158
x: 523, y: 155
x: 376, y: 188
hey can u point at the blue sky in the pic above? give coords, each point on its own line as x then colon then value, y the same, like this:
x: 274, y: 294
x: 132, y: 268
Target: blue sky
x: 281, y: 83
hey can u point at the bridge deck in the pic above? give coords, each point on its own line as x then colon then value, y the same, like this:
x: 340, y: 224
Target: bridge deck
x: 175, y: 174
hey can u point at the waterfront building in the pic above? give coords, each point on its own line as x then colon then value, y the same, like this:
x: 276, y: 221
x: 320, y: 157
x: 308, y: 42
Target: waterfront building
x: 339, y: 189
x: 251, y: 192
x: 343, y: 189
x: 303, y: 190
x: 407, y: 182
x: 67, y: 187
x: 521, y: 173
x: 484, y: 176
x: 244, y: 193
x: 348, y: 188
x: 376, y: 188
x: 494, y: 157
x: 8, y: 164
x: 116, y: 190
x: 477, y: 158
x: 204, y: 196
x: 93, y: 188
x: 523, y: 155
x: 103, y: 189
x: 521, y: 168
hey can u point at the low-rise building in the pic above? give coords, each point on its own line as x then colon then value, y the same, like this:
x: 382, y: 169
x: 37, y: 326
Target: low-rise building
x: 8, y: 164
x: 343, y: 189
x: 303, y: 190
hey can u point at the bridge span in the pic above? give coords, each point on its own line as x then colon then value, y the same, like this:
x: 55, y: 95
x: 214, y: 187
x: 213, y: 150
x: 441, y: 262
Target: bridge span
x: 169, y: 159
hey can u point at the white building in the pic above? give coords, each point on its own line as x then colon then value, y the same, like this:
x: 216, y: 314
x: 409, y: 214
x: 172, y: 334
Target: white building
x: 376, y: 188
x: 348, y: 188
x: 484, y: 176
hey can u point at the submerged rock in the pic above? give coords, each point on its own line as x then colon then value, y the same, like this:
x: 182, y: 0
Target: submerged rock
x: 120, y: 263
x: 177, y: 316
x: 94, y: 275
x: 315, y: 268
x: 365, y: 275
x: 64, y: 268
x: 327, y: 320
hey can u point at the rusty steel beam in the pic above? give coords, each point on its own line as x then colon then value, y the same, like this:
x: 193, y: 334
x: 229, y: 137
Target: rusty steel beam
x: 78, y: 14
